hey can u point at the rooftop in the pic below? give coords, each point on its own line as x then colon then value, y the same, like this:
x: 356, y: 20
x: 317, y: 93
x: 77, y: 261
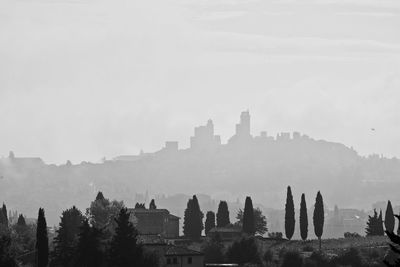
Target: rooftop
x: 181, y: 251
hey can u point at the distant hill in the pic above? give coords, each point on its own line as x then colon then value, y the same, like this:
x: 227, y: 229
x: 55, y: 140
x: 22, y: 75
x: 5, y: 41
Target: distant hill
x: 260, y: 166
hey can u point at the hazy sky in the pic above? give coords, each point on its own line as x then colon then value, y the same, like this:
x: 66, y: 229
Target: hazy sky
x: 83, y: 79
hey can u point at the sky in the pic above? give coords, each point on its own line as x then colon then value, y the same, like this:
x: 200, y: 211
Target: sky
x: 82, y: 79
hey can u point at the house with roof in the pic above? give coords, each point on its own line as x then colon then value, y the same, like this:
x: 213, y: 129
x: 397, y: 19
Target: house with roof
x: 155, y: 222
x: 174, y: 256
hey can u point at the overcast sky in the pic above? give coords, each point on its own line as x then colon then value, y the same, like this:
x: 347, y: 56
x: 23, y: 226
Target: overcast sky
x: 83, y: 79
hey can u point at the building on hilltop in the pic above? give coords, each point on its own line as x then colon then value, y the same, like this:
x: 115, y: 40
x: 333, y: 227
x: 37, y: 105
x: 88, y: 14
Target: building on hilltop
x: 204, y: 137
x: 155, y: 222
x: 242, y: 134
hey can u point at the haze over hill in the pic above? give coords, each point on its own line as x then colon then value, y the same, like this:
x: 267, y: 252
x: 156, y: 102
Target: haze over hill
x: 261, y: 166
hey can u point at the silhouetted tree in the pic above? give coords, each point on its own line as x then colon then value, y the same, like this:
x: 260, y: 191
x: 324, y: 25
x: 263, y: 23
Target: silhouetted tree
x: 318, y: 217
x: 42, y: 241
x: 152, y: 205
x: 140, y: 206
x: 102, y: 213
x: 260, y: 221
x: 243, y: 251
x: 67, y: 237
x: 373, y: 228
x: 395, y: 246
x: 303, y: 218
x: 4, y: 210
x: 88, y: 252
x: 210, y: 222
x: 289, y: 214
x: 193, y: 219
x: 248, y: 217
x: 214, y: 250
x: 223, y: 214
x: 389, y: 218
x: 124, y: 250
x: 21, y: 220
x: 380, y: 229
x: 7, y: 257
x: 187, y: 219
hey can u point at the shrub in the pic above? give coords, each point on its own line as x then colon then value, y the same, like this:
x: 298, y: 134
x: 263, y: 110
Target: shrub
x: 268, y: 256
x: 308, y: 248
x: 351, y: 235
x: 351, y: 257
x: 292, y: 259
x: 275, y: 235
x: 243, y: 251
x: 320, y: 259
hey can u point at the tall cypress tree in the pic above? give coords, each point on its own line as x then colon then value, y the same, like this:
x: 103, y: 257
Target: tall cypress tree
x: 289, y: 214
x: 318, y: 217
x: 124, y: 250
x: 223, y: 214
x: 197, y: 219
x: 187, y: 219
x: 152, y: 205
x: 303, y: 218
x: 248, y: 217
x: 4, y: 210
x: 88, y: 252
x: 389, y: 218
x: 42, y: 241
x: 67, y: 237
x: 380, y: 229
x: 210, y: 222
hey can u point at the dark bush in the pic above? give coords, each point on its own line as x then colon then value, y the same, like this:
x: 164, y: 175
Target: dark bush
x: 268, y: 256
x: 243, y: 251
x: 351, y: 257
x: 292, y: 259
x: 308, y: 248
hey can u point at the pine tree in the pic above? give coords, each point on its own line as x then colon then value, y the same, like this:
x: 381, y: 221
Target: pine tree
x: 318, y: 217
x: 124, y: 250
x: 303, y: 218
x: 67, y: 237
x: 4, y: 210
x: 210, y: 222
x: 223, y: 214
x: 248, y: 217
x: 152, y: 205
x: 100, y: 196
x: 289, y: 214
x: 197, y: 219
x: 372, y: 225
x: 389, y: 218
x: 88, y: 249
x: 42, y: 241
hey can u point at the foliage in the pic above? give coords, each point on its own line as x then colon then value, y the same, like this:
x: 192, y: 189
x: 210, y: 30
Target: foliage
x: 389, y: 218
x: 291, y: 259
x: 244, y: 250
x: 223, y: 214
x: 88, y: 252
x: 124, y: 250
x: 210, y: 222
x: 275, y: 235
x: 289, y: 214
x: 248, y: 217
x: 42, y: 241
x: 213, y: 250
x: 67, y: 237
x: 318, y: 217
x: 140, y: 206
x: 374, y: 225
x: 268, y: 256
x: 351, y: 257
x: 395, y: 247
x: 260, y: 221
x: 351, y: 235
x: 193, y: 220
x: 303, y: 218
x: 102, y: 212
x: 152, y: 205
x: 7, y: 257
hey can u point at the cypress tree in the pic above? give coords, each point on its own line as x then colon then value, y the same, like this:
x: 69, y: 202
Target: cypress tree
x: 67, y: 237
x: 380, y: 229
x: 124, y: 250
x: 100, y: 196
x: 372, y: 223
x: 4, y: 210
x: 21, y: 221
x: 389, y: 218
x: 223, y: 214
x: 248, y: 217
x: 152, y: 205
x: 197, y: 219
x: 42, y: 241
x: 88, y: 250
x: 187, y: 219
x: 394, y: 247
x: 210, y: 222
x: 318, y: 217
x: 303, y: 218
x: 289, y: 214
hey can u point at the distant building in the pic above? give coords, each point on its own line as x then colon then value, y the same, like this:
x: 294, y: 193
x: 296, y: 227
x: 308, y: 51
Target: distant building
x: 204, y: 137
x: 225, y: 233
x: 242, y: 134
x: 156, y: 222
x: 173, y: 256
